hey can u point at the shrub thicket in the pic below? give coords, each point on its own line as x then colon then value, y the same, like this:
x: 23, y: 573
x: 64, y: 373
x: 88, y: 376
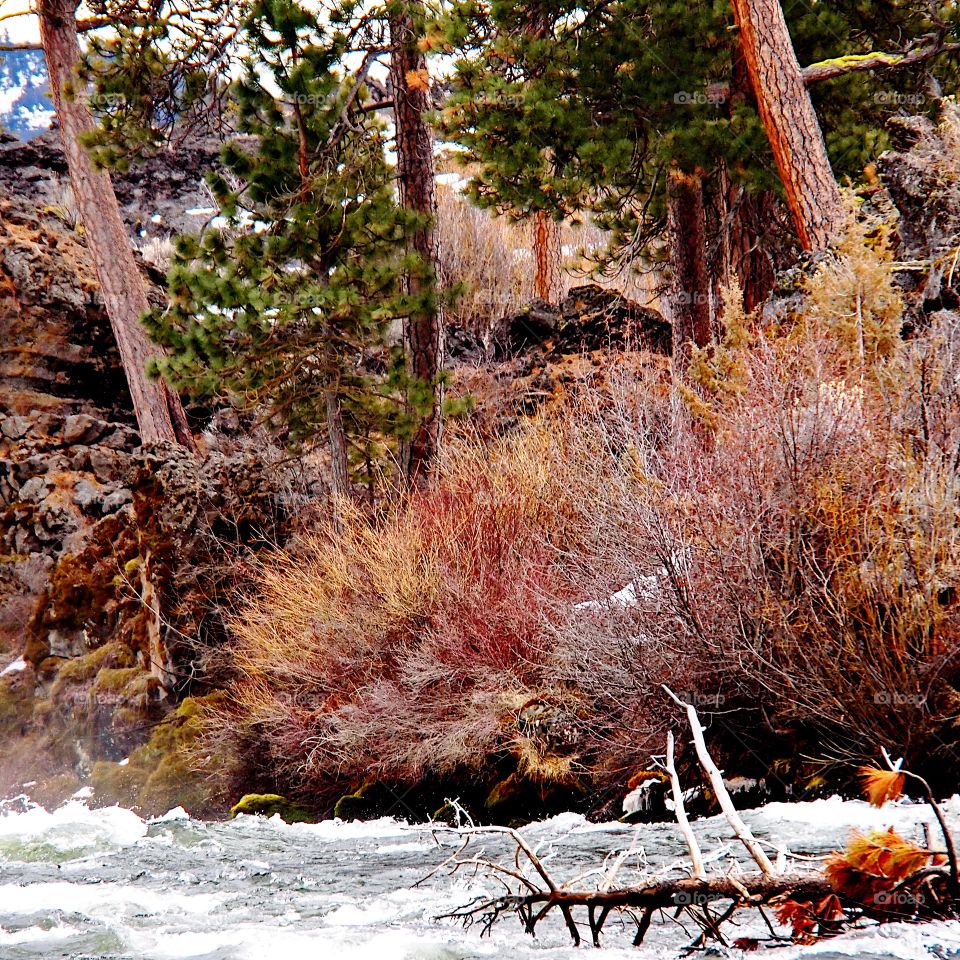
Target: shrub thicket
x: 778, y: 540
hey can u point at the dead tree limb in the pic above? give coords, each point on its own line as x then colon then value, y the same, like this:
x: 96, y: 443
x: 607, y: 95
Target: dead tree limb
x: 685, y: 893
x: 740, y: 829
x: 696, y: 858
x: 532, y: 893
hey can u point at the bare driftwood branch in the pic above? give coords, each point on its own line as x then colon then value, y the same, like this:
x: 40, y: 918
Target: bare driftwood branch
x: 712, y: 771
x: 532, y: 893
x: 696, y: 858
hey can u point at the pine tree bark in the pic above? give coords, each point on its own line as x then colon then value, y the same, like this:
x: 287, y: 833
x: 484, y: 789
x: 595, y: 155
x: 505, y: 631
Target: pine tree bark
x: 339, y: 461
x: 415, y: 173
x: 690, y: 299
x: 158, y: 410
x: 539, y: 22
x: 547, y: 258
x: 790, y: 121
x: 745, y: 218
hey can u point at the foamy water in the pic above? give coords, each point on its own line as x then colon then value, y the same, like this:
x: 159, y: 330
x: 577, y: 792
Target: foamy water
x: 107, y: 885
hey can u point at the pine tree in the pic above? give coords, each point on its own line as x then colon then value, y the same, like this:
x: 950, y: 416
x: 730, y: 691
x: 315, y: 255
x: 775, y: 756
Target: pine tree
x: 595, y: 115
x: 286, y: 305
x: 410, y: 83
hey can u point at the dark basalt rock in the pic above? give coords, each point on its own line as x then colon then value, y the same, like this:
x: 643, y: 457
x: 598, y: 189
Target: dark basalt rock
x: 589, y: 318
x: 155, y: 195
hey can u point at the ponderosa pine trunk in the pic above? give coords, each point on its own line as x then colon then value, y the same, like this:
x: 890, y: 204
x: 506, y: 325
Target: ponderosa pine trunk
x: 158, y: 410
x: 690, y: 297
x: 547, y: 258
x: 744, y: 217
x: 339, y: 459
x: 415, y: 173
x: 793, y: 130
x: 547, y: 249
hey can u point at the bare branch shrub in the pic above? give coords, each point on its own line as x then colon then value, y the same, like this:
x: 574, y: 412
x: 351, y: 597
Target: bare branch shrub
x: 777, y: 540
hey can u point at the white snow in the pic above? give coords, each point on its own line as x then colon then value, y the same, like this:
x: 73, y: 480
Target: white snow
x: 17, y: 666
x: 644, y: 587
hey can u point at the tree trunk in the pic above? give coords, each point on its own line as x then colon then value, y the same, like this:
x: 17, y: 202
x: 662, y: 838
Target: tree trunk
x: 158, y: 410
x: 339, y: 462
x: 690, y: 299
x: 539, y: 22
x: 547, y: 257
x: 790, y: 121
x: 746, y: 219
x: 409, y: 78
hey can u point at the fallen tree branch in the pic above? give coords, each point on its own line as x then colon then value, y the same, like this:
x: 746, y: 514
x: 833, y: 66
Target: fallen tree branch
x: 807, y: 903
x: 696, y: 858
x: 740, y: 829
x: 659, y: 894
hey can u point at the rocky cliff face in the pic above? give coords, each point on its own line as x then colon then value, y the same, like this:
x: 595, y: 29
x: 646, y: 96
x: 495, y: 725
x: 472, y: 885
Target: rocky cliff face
x: 97, y: 534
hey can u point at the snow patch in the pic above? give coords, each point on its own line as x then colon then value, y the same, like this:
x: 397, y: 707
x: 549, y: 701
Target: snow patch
x: 17, y: 666
x: 643, y: 588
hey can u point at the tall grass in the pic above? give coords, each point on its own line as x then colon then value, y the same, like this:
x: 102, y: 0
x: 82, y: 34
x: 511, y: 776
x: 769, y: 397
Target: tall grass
x: 490, y: 257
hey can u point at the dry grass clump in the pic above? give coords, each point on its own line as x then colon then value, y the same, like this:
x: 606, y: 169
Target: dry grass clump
x: 403, y: 648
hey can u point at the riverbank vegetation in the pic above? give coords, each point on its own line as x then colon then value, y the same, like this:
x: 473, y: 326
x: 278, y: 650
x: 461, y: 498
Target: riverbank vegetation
x: 776, y: 537
x: 450, y: 523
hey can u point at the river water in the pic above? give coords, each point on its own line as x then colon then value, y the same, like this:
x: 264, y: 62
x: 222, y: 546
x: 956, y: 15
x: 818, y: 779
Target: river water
x: 106, y: 885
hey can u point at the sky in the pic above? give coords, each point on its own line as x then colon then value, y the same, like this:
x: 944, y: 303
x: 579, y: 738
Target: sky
x: 25, y: 29
x: 20, y: 29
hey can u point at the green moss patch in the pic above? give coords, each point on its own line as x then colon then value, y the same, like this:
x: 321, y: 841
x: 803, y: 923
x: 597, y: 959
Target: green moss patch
x: 269, y: 805
x: 166, y: 771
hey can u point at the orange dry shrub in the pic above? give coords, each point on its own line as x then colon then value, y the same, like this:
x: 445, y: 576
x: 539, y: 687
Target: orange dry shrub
x: 779, y: 542
x: 404, y: 648
x: 800, y: 514
x: 873, y: 866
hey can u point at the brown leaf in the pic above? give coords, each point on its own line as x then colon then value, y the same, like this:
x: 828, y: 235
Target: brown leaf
x: 879, y: 786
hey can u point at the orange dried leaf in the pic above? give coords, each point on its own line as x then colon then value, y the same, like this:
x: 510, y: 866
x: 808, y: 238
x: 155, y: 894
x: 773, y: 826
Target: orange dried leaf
x: 418, y: 80
x: 879, y: 786
x: 797, y: 915
x: 874, y: 862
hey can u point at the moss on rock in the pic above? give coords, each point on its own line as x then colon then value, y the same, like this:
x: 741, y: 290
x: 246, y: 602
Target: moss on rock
x: 167, y: 771
x: 269, y: 805
x: 115, y: 657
